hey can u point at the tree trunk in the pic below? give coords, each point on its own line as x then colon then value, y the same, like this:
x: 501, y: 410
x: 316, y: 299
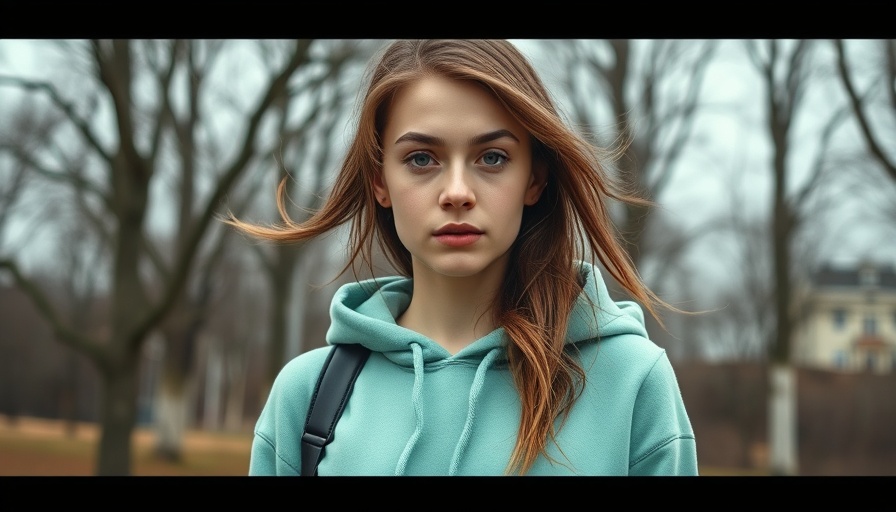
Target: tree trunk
x: 214, y: 382
x: 173, y: 402
x: 68, y: 409
x: 782, y: 420
x: 118, y: 416
x: 171, y: 421
x: 782, y: 100
x: 181, y: 333
x: 236, y: 398
x: 281, y: 280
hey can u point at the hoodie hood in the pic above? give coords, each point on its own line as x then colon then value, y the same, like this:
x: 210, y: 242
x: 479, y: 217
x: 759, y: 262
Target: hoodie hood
x: 364, y: 312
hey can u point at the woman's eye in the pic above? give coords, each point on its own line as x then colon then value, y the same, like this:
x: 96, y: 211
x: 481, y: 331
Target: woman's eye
x: 493, y: 158
x: 421, y: 159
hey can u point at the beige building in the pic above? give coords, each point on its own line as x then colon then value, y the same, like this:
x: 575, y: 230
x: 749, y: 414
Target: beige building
x: 849, y: 320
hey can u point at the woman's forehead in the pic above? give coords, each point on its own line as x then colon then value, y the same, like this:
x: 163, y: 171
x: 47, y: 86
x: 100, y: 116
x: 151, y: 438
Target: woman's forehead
x: 435, y: 104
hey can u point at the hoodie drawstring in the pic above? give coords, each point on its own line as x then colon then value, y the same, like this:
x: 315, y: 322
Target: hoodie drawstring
x: 471, y: 411
x: 475, y: 390
x: 418, y: 409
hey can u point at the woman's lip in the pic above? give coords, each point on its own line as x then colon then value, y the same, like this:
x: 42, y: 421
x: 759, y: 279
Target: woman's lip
x: 458, y: 239
x: 457, y: 229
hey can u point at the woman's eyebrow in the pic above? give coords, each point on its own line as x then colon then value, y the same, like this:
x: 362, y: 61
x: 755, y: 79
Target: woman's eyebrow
x: 422, y: 138
x: 490, y: 136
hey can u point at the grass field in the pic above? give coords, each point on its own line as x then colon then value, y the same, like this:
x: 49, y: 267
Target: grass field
x: 38, y: 447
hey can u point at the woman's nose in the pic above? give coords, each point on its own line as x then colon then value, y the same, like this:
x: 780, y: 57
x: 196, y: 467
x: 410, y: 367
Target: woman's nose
x: 457, y: 192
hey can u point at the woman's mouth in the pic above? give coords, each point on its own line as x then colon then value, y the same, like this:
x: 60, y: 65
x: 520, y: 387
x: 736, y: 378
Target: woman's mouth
x: 457, y: 235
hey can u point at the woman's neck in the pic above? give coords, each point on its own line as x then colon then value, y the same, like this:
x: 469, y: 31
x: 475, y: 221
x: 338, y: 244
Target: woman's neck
x: 453, y: 311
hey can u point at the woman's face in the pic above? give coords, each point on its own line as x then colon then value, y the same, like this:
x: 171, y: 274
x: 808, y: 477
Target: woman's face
x: 457, y: 171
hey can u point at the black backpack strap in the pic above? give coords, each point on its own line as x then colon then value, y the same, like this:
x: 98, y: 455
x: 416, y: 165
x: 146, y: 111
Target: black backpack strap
x: 334, y: 385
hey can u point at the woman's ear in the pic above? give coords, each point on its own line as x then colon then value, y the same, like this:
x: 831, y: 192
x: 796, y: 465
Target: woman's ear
x: 381, y: 191
x: 537, y: 181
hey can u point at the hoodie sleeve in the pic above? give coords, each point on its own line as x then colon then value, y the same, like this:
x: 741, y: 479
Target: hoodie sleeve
x: 276, y: 447
x: 663, y: 441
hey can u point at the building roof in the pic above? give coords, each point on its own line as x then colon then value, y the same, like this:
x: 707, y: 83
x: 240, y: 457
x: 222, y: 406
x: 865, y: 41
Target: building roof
x: 864, y: 275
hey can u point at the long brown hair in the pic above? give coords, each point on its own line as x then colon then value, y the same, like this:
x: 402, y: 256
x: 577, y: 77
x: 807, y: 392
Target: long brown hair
x: 542, y: 284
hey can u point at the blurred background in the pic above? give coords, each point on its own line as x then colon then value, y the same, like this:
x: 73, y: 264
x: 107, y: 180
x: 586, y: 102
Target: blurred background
x: 133, y: 320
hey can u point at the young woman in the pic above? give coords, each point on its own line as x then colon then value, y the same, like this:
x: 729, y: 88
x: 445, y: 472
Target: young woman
x: 498, y: 349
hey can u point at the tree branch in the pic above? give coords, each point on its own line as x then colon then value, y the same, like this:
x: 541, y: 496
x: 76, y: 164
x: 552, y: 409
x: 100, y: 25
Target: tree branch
x: 164, y: 78
x: 77, y: 181
x: 40, y: 301
x: 796, y: 76
x: 8, y: 197
x: 820, y: 158
x: 63, y: 105
x: 873, y: 145
x: 680, y: 136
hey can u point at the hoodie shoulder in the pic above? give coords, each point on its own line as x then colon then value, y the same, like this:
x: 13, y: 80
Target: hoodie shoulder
x: 276, y: 448
x: 300, y: 372
x: 662, y: 441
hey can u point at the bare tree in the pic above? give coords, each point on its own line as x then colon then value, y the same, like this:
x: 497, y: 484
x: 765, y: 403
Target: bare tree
x: 786, y: 69
x: 651, y: 96
x: 873, y: 122
x: 124, y: 165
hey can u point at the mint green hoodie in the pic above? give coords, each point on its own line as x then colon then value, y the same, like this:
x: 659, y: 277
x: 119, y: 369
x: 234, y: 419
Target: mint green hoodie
x: 418, y: 410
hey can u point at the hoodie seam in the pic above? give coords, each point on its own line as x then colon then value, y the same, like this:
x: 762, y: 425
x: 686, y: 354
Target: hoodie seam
x: 270, y: 443
x: 665, y: 441
x: 653, y: 449
x: 441, y: 365
x: 615, y: 319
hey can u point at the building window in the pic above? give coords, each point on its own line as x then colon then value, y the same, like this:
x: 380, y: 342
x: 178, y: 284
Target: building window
x: 840, y: 359
x: 869, y: 326
x: 870, y: 361
x: 839, y: 318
